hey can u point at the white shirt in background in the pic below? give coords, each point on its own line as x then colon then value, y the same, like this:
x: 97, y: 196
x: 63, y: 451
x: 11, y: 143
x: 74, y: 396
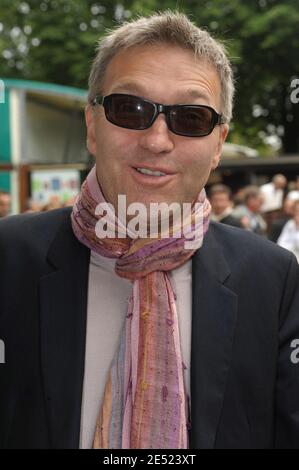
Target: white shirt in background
x: 293, y: 195
x: 289, y: 238
x: 273, y: 198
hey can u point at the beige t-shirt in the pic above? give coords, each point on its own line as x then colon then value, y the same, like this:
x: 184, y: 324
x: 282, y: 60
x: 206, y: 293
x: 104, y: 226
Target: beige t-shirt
x: 108, y: 296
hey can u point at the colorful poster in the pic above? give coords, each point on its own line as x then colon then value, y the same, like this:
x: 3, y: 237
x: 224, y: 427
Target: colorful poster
x: 49, y: 184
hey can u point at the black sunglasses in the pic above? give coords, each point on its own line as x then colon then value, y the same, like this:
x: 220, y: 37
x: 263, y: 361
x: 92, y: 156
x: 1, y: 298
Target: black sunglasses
x: 133, y: 112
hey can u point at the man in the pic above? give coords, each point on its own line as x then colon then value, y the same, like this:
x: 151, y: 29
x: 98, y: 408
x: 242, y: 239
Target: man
x: 289, y: 237
x: 294, y: 194
x: 217, y: 323
x: 220, y: 197
x: 273, y: 196
x: 273, y: 193
x: 250, y: 212
x: 278, y: 224
x: 4, y: 204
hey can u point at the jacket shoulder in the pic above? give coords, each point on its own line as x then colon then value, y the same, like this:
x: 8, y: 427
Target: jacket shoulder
x: 245, y: 246
x: 22, y: 224
x: 32, y: 232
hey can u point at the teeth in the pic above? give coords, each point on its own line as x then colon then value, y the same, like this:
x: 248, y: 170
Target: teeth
x: 145, y: 171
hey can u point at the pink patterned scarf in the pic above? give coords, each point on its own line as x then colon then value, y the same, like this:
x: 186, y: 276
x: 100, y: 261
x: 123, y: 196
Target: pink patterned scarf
x: 145, y: 404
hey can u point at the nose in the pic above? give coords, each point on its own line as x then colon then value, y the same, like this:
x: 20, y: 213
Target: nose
x: 157, y: 138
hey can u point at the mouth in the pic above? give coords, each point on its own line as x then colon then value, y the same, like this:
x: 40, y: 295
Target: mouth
x: 146, y: 171
x: 152, y: 176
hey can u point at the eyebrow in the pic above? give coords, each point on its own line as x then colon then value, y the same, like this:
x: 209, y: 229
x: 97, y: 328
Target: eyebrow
x: 129, y: 86
x: 196, y: 93
x: 134, y: 87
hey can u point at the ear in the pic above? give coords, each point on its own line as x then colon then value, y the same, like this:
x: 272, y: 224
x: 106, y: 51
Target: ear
x: 224, y: 128
x: 90, y: 126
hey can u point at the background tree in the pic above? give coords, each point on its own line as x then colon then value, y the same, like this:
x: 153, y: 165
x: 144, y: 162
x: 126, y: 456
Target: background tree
x: 54, y: 41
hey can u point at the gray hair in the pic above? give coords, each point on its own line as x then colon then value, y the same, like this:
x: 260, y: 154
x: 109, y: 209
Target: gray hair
x: 171, y: 28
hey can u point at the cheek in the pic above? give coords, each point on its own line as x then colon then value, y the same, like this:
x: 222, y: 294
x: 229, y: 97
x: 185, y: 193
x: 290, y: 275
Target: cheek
x: 199, y: 163
x: 114, y: 150
x: 107, y: 147
x: 114, y: 141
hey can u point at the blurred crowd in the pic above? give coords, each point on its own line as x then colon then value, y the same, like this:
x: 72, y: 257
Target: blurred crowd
x: 271, y: 210
x: 54, y: 202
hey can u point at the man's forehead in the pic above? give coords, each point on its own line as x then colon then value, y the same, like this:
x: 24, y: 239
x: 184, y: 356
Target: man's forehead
x: 165, y: 74
x: 132, y: 86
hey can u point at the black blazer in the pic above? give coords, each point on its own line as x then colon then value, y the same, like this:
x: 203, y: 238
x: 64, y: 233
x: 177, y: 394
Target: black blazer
x: 245, y: 314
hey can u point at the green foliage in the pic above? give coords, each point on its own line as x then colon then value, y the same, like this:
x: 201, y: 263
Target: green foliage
x: 54, y: 41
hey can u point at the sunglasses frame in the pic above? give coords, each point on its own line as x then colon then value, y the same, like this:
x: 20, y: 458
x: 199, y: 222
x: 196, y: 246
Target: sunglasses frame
x: 158, y: 109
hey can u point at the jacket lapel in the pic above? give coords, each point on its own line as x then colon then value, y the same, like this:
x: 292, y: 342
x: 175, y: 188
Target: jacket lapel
x: 214, y: 315
x: 63, y: 306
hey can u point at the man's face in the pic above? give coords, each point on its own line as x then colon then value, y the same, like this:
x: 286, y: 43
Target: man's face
x: 168, y: 75
x: 288, y: 207
x: 296, y: 213
x: 220, y: 202
x: 255, y: 203
x: 4, y: 205
x: 280, y: 183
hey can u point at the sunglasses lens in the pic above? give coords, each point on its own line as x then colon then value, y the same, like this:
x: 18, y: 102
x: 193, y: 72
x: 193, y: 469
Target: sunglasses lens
x: 132, y: 112
x: 129, y: 111
x: 191, y: 120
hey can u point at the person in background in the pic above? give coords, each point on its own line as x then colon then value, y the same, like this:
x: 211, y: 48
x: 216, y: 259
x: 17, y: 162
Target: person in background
x: 32, y: 206
x: 278, y: 224
x: 249, y: 214
x: 289, y: 237
x: 5, y: 201
x: 238, y: 199
x: 273, y: 194
x: 53, y: 203
x: 294, y: 194
x: 222, y: 206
